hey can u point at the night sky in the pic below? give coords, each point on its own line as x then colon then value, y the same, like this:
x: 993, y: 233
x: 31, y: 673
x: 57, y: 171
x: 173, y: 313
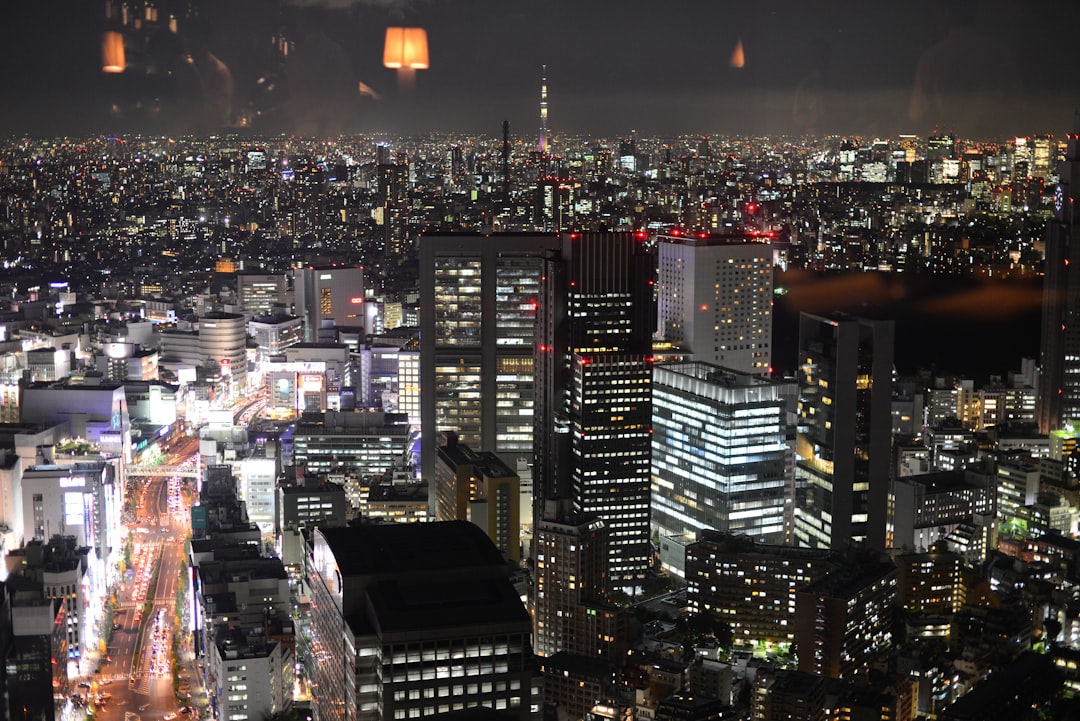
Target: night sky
x: 981, y: 69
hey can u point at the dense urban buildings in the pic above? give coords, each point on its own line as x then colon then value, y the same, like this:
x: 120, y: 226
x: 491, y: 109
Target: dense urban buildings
x: 672, y: 487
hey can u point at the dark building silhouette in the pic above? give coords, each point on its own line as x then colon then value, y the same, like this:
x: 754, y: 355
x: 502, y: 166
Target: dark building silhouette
x: 1059, y: 383
x: 844, y: 440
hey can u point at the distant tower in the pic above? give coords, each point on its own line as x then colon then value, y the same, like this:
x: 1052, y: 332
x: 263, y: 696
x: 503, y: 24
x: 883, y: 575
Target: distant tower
x: 506, y: 157
x: 544, y: 146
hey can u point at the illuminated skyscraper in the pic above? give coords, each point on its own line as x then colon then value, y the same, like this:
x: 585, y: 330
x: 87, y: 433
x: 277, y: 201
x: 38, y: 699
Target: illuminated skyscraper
x: 844, y: 441
x: 394, y: 204
x: 478, y: 299
x: 715, y: 299
x: 594, y: 388
x: 1059, y: 382
x: 719, y: 452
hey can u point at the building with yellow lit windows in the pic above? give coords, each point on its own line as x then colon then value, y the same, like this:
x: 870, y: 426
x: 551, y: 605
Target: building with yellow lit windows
x: 844, y: 442
x: 478, y: 304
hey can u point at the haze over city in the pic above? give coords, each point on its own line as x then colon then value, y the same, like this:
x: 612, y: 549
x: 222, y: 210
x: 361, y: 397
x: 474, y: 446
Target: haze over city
x: 984, y: 69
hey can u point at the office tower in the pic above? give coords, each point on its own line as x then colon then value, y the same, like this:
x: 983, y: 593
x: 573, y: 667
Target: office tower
x: 750, y: 585
x: 261, y: 294
x: 328, y: 297
x: 571, y: 610
x: 410, y: 620
x: 359, y: 446
x: 843, y: 622
x: 390, y: 379
x: 554, y: 204
x: 479, y: 487
x: 394, y: 205
x: 274, y: 333
x: 1059, y: 381
x: 929, y: 506
x: 715, y: 299
x: 781, y: 695
x: 594, y: 378
x: 931, y: 582
x: 844, y: 439
x: 719, y: 452
x: 478, y: 299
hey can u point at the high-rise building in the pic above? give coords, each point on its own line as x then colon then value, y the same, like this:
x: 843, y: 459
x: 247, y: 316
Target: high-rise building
x: 414, y: 619
x: 844, y: 440
x: 478, y: 301
x: 394, y: 205
x: 594, y: 388
x: 1059, y: 381
x: 719, y: 452
x: 715, y: 299
x: 571, y: 610
x: 223, y: 342
x: 330, y: 296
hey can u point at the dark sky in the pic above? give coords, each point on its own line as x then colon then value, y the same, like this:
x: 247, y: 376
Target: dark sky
x: 982, y: 68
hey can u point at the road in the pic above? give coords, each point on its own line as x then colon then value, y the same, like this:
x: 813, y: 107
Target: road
x: 141, y: 685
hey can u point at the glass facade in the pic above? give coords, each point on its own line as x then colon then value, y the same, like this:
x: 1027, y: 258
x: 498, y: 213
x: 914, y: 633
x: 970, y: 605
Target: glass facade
x: 458, y: 398
x: 478, y: 307
x: 458, y: 305
x: 719, y: 451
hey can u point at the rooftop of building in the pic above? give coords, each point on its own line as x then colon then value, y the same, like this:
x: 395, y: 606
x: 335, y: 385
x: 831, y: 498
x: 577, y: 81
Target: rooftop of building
x: 421, y: 604
x: 485, y: 463
x: 940, y: 481
x: 222, y: 570
x: 737, y: 543
x: 247, y: 641
x: 409, y: 548
x: 277, y: 319
x: 848, y: 581
x: 578, y: 666
x: 391, y: 492
x: 700, y: 239
x: 320, y: 487
x: 727, y: 377
x: 798, y: 683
